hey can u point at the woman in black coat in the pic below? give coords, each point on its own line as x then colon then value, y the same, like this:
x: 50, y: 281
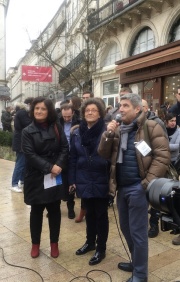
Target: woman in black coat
x: 46, y: 150
x: 89, y: 175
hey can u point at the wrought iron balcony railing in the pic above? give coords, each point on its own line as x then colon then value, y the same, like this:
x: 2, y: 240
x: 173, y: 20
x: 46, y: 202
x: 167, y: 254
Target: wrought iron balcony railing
x: 107, y: 12
x: 72, y: 66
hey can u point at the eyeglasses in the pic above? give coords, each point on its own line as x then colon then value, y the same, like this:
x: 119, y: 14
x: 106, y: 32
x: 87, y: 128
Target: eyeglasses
x: 92, y: 111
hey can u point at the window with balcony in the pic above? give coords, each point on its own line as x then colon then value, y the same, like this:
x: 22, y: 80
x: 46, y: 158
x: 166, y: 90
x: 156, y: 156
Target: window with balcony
x: 175, y: 32
x: 111, y: 56
x: 143, y: 42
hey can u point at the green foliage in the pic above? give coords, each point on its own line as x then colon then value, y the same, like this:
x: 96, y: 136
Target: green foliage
x: 6, y: 138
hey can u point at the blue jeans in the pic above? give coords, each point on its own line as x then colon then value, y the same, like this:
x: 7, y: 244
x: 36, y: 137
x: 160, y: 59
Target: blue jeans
x: 133, y: 214
x: 19, y: 169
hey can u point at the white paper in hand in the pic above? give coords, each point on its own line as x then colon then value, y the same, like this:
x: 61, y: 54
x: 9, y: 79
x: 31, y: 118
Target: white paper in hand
x: 52, y: 181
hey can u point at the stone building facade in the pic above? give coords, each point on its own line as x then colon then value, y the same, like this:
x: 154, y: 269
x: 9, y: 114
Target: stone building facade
x: 103, y: 45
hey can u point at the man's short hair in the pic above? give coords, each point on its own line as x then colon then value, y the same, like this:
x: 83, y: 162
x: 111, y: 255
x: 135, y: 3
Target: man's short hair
x: 126, y: 89
x: 134, y: 98
x: 67, y: 107
x: 88, y: 92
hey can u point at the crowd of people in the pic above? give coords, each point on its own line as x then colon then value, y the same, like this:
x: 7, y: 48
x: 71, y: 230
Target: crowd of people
x: 87, y: 150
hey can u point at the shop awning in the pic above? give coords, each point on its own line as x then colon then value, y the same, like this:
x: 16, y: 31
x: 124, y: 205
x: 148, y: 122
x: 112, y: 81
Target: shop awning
x: 148, y: 60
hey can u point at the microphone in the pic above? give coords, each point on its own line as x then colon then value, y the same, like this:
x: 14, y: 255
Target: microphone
x: 118, y: 118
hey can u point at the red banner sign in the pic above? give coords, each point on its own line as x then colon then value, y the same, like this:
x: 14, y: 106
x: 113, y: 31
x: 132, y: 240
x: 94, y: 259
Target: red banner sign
x: 36, y: 73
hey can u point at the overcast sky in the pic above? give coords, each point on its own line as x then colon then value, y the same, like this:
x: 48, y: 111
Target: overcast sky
x: 26, y: 17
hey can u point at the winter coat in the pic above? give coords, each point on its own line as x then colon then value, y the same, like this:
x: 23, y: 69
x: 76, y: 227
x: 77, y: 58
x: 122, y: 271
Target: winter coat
x: 65, y: 194
x: 21, y: 120
x: 174, y: 144
x: 43, y: 149
x: 151, y: 116
x: 154, y: 165
x: 89, y: 172
x: 6, y: 119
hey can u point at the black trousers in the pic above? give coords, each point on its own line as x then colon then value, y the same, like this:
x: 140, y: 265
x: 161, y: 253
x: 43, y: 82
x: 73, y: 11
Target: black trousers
x: 97, y: 222
x: 36, y: 220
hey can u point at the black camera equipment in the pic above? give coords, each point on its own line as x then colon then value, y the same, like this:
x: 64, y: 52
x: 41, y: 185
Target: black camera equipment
x: 164, y: 195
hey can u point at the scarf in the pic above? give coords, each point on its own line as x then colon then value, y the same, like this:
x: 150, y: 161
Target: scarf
x: 89, y: 136
x: 124, y: 130
x: 170, y: 131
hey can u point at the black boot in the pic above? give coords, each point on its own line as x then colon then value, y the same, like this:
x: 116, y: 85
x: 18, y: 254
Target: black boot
x: 70, y: 206
x: 153, y: 231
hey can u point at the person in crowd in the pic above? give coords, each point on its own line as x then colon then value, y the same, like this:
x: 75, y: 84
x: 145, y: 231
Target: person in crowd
x: 87, y: 94
x: 21, y: 120
x: 173, y: 133
x: 89, y: 176
x: 46, y: 150
x: 154, y: 214
x: 132, y: 169
x: 76, y: 102
x: 174, y: 136
x: 6, y: 119
x: 117, y: 102
x: 113, y: 113
x: 68, y: 120
x: 165, y: 107
x: 174, y: 144
x: 175, y: 109
x: 109, y: 108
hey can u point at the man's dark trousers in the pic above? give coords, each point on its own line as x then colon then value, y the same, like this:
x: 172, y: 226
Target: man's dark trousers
x: 133, y: 214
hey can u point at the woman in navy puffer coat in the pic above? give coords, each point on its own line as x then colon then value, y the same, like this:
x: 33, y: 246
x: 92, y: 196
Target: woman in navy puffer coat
x: 89, y: 175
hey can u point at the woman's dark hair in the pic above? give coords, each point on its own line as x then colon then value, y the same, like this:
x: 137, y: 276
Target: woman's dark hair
x: 169, y: 116
x: 96, y: 102
x: 52, y: 115
x: 76, y: 102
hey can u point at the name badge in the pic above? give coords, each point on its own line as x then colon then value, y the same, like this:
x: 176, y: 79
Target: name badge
x: 143, y: 148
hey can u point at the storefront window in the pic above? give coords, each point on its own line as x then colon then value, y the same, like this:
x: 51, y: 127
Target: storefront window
x: 171, y: 84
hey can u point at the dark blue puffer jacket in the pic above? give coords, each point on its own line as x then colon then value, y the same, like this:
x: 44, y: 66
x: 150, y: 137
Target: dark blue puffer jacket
x: 90, y: 173
x: 127, y: 173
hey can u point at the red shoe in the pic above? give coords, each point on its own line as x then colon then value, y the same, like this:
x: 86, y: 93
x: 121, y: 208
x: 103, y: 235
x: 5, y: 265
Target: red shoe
x: 35, y: 250
x: 81, y: 216
x: 54, y: 250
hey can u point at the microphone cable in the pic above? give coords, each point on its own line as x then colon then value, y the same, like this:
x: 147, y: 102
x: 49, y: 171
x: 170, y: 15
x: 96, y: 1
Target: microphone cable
x: 14, y: 265
x: 119, y: 232
x: 90, y: 279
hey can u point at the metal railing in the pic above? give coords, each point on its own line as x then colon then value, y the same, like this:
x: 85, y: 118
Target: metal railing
x: 74, y: 64
x: 110, y: 9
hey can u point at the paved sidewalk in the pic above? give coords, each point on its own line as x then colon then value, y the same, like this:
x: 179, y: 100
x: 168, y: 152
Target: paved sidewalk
x: 164, y: 258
